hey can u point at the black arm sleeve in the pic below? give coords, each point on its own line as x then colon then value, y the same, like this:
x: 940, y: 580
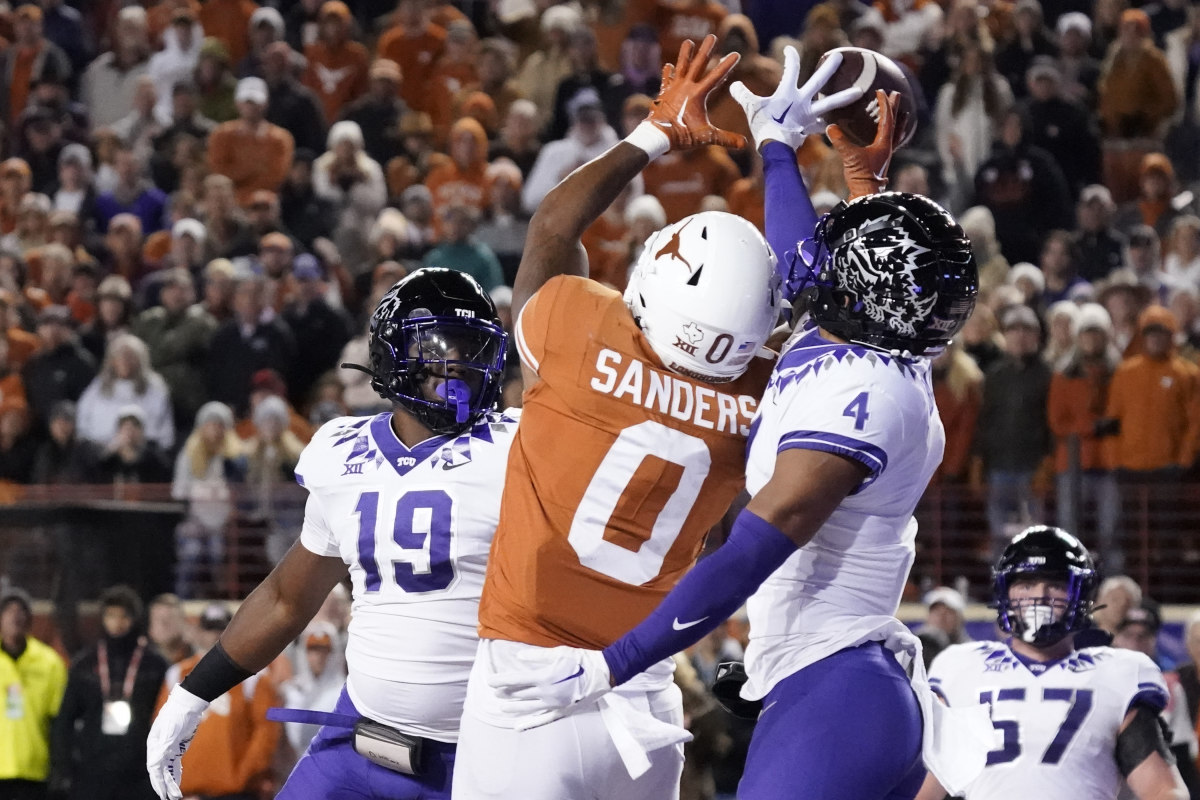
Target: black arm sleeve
x: 1145, y: 735
x: 215, y: 675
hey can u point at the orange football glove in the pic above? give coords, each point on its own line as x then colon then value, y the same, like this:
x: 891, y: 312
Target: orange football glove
x: 681, y: 108
x: 866, y: 167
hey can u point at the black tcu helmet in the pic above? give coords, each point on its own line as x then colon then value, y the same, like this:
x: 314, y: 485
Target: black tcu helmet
x: 1052, y: 552
x: 438, y: 323
x: 892, y: 271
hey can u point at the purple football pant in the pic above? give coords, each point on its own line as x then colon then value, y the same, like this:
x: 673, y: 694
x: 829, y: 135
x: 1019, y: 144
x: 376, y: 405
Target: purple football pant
x: 331, y: 770
x: 847, y: 726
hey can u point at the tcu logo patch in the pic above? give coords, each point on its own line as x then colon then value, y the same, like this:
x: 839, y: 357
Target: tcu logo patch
x: 465, y: 312
x: 406, y: 461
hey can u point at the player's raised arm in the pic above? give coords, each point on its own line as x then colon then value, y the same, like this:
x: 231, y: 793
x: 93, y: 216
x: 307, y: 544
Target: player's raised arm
x: 273, y: 615
x: 678, y: 120
x: 779, y: 124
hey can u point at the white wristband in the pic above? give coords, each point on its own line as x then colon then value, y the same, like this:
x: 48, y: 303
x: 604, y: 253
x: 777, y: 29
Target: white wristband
x: 649, y: 139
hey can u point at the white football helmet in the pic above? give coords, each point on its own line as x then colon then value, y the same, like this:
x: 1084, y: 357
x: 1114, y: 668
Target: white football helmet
x: 706, y: 295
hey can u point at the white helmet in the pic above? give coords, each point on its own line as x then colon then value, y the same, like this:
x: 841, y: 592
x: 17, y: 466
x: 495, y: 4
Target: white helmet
x: 706, y: 295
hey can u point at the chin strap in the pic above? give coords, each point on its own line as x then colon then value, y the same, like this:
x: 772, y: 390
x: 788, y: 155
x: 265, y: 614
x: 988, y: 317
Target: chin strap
x: 457, y: 395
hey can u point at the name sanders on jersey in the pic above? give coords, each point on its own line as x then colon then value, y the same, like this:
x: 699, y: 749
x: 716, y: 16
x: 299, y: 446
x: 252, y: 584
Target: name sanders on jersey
x: 676, y: 396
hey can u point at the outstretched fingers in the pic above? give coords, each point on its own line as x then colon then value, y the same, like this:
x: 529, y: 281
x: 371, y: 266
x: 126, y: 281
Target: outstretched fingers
x: 822, y: 75
x: 843, y: 98
x: 717, y: 75
x: 684, y: 62
x: 724, y: 138
x: 700, y: 60
x: 791, y: 68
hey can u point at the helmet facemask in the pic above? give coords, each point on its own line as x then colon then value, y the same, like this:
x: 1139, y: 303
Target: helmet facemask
x: 445, y: 371
x: 1044, y: 621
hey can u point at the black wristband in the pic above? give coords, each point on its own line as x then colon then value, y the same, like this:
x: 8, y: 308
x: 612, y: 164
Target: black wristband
x: 215, y: 675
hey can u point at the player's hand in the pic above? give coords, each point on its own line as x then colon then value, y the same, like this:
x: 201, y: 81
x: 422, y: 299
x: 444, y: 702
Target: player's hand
x: 573, y: 676
x: 681, y: 109
x: 790, y: 114
x: 173, y: 730
x: 866, y: 168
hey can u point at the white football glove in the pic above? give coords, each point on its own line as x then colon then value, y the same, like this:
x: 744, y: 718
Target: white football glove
x: 544, y: 692
x: 172, y: 732
x: 791, y: 114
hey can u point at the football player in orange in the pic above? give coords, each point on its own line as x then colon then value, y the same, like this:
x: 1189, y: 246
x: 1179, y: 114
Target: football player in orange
x: 631, y: 446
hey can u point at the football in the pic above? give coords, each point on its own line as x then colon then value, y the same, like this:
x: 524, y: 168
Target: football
x: 871, y: 71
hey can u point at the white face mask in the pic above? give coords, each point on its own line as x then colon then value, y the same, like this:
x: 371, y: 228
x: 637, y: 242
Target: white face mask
x: 1035, y: 615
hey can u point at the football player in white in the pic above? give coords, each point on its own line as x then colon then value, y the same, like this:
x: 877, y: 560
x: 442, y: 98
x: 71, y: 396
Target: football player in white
x: 409, y: 501
x: 1069, y: 723
x: 845, y: 441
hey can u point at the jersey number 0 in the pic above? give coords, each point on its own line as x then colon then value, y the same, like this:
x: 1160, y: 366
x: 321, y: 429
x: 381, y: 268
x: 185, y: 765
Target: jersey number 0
x: 614, y: 479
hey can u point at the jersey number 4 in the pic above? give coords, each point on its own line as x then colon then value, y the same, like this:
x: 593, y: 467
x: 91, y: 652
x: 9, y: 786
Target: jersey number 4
x: 1080, y: 705
x: 421, y: 517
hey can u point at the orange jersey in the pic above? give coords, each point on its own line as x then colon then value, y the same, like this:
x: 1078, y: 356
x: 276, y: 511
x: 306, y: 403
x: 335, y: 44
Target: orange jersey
x: 618, y: 471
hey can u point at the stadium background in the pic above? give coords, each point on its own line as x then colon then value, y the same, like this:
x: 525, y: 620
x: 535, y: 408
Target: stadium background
x: 162, y: 250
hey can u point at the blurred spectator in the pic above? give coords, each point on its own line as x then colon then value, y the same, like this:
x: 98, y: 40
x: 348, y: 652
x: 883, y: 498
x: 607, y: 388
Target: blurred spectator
x: 678, y: 20
x: 99, y: 735
x: 682, y: 180
x: 26, y: 60
x: 301, y: 210
x: 1061, y: 125
x: 250, y: 151
x: 74, y: 191
x: 1080, y: 70
x: 1100, y: 247
x: 215, y: 82
x: 980, y: 227
x: 134, y: 194
x: 1058, y: 263
x: 63, y: 25
x: 15, y: 181
x: 958, y: 393
x: 316, y: 688
x: 1024, y: 189
x: 518, y: 140
x: 1181, y: 252
x: 1061, y: 319
x: 109, y: 83
x: 126, y: 379
x: 210, y: 460
x: 1139, y: 631
x: 266, y: 28
x: 228, y: 231
x: 497, y: 61
x: 705, y: 720
x: 1136, y: 95
x: 1116, y: 596
x: 1077, y: 401
x: 610, y: 89
x: 1153, y: 402
x: 415, y: 44
x: 1029, y: 282
x: 1124, y: 301
x: 62, y: 369
x: 454, y: 72
x: 545, y: 68
x: 114, y: 309
x: 218, y: 289
x: 1183, y: 57
x: 177, y: 147
x: 253, y: 339
x: 1184, y: 303
x: 35, y: 678
x: 235, y: 743
x: 461, y: 179
x: 337, y: 65
x: 64, y: 458
x: 167, y: 629
x: 460, y: 251
x: 505, y: 227
x: 176, y: 62
x: 229, y: 20
x: 39, y: 141
x: 359, y: 397
x: 945, y: 622
x: 352, y: 183
x: 1189, y: 673
x: 377, y: 113
x: 1031, y: 40
x: 321, y: 331
x: 967, y: 117
x: 30, y: 233
x: 129, y: 457
x: 1013, y: 435
x: 178, y: 334
x: 17, y: 448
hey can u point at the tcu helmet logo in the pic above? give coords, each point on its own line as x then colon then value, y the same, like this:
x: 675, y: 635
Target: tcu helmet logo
x: 465, y: 312
x: 688, y: 338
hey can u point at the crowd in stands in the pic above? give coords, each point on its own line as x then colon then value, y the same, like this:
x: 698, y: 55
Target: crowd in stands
x: 202, y: 201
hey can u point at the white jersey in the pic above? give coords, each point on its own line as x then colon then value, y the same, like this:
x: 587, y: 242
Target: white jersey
x: 843, y: 587
x: 415, y: 527
x: 1056, y: 722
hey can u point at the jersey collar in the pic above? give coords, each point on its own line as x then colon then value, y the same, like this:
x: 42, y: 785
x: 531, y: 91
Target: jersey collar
x: 404, y: 459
